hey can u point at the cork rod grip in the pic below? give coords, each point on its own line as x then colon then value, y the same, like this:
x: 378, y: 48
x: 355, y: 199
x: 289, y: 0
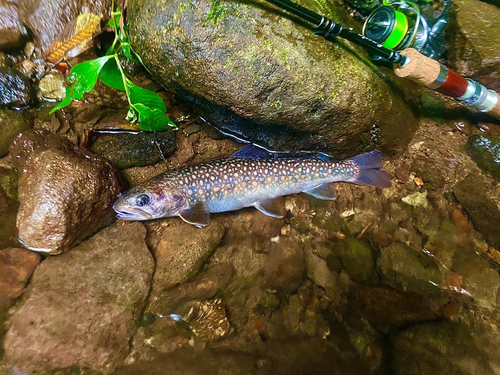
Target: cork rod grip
x: 420, y: 68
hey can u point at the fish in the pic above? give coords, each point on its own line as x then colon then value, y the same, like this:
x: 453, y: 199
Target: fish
x: 250, y: 177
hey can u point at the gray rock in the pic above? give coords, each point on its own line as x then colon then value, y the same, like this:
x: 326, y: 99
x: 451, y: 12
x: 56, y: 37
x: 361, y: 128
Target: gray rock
x: 66, y: 193
x: 16, y: 90
x: 446, y: 348
x: 252, y: 71
x: 474, y: 41
x: 406, y: 269
x: 11, y: 124
x: 81, y: 306
x: 47, y: 19
x: 481, y: 200
x: 10, y: 28
x: 134, y: 150
x: 319, y: 273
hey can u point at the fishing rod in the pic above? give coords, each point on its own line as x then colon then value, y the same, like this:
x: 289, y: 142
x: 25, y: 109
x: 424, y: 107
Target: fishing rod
x: 409, y: 63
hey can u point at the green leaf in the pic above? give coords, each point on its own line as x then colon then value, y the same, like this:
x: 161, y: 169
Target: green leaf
x: 84, y: 76
x: 65, y: 102
x: 152, y: 119
x: 148, y: 98
x: 111, y: 75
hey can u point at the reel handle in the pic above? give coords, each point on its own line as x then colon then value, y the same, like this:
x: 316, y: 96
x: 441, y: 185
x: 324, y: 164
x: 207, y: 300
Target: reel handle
x: 433, y: 75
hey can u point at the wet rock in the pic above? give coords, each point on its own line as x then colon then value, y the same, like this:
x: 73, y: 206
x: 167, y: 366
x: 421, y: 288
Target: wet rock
x: 135, y: 150
x: 81, y: 306
x: 478, y: 278
x: 474, y: 41
x: 485, y: 151
x: 46, y: 20
x: 65, y: 192
x: 406, y: 269
x: 339, y: 104
x: 386, y: 307
x: 52, y: 86
x: 319, y: 272
x: 8, y: 213
x: 10, y: 28
x: 8, y: 183
x: 11, y: 124
x: 481, y: 200
x: 15, y: 89
x: 180, y: 249
x: 16, y: 267
x: 358, y: 261
x: 5, y: 61
x: 446, y: 348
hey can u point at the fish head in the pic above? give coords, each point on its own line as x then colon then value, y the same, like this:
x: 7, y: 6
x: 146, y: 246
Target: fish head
x: 143, y: 203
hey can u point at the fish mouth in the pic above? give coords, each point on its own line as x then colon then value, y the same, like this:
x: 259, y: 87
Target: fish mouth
x: 131, y: 214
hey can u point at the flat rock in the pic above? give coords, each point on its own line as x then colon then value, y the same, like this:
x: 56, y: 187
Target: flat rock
x: 180, y: 249
x: 135, y: 150
x: 252, y: 71
x: 11, y: 124
x: 80, y: 308
x: 65, y: 192
x: 474, y: 41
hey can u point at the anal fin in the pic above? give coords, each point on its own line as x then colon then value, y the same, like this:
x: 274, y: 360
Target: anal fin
x: 197, y: 215
x: 273, y: 207
x: 325, y: 191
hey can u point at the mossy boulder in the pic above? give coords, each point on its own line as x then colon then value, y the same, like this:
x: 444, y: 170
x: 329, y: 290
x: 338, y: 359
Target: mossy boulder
x: 474, y: 41
x: 253, y: 71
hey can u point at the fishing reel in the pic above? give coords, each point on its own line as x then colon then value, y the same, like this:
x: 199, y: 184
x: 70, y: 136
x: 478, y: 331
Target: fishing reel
x: 398, y: 25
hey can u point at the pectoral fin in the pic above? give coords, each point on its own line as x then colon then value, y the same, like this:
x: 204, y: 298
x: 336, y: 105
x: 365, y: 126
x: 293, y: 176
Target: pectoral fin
x: 197, y: 215
x: 271, y: 207
x: 325, y: 191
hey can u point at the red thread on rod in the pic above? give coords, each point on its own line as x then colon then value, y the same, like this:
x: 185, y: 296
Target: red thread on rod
x: 454, y: 85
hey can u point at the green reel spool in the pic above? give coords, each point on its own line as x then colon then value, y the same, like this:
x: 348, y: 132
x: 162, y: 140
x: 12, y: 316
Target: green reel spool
x: 397, y: 26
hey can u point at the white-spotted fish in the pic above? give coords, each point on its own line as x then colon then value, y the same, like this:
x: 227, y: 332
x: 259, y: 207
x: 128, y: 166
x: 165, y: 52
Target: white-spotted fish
x: 250, y: 177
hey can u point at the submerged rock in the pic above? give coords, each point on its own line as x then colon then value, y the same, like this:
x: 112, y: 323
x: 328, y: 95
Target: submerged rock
x: 135, y: 150
x: 52, y: 87
x: 65, y: 192
x: 81, y: 306
x: 11, y: 124
x: 481, y: 200
x: 180, y: 249
x: 251, y: 71
x: 474, y: 41
x: 446, y: 348
x: 208, y: 320
x: 485, y: 151
x: 15, y: 89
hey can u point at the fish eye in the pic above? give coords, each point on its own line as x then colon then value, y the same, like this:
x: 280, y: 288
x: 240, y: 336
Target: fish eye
x: 142, y: 200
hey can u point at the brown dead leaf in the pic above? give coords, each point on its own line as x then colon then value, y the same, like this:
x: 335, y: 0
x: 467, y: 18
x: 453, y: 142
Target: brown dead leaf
x: 76, y: 37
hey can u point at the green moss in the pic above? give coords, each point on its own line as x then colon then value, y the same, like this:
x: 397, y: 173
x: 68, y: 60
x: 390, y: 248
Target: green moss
x: 277, y: 104
x: 217, y: 12
x: 229, y: 62
x: 267, y: 42
x: 284, y: 57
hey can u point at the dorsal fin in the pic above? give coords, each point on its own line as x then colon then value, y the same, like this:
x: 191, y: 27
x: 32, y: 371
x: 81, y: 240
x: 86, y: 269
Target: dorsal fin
x: 252, y: 151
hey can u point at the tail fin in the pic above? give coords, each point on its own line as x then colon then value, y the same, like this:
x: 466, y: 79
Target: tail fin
x: 368, y: 160
x: 369, y: 173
